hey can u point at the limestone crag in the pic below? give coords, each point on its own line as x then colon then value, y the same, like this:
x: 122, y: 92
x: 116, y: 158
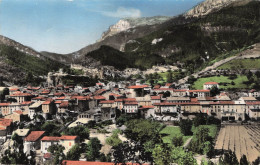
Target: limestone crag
x: 209, y: 6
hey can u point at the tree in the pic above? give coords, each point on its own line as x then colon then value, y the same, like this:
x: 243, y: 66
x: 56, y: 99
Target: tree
x: 14, y: 157
x: 186, y: 126
x: 169, y: 77
x: 161, y: 154
x: 257, y: 161
x: 214, y: 91
x: 143, y: 135
x: 243, y: 160
x: 229, y: 158
x: 74, y: 153
x: 93, y: 148
x: 181, y: 157
x: 113, y: 140
x: 50, y: 128
x: 200, y: 119
x: 177, y: 141
x: 80, y: 131
x: 202, y: 142
x: 57, y: 152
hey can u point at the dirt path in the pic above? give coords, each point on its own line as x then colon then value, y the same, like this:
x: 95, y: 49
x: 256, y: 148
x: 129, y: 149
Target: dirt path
x: 253, y: 53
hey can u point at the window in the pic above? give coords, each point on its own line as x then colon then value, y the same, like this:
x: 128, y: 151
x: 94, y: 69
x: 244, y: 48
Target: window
x: 69, y: 143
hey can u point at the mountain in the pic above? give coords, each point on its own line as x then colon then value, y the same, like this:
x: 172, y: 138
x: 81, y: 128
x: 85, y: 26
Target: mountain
x: 20, y: 64
x: 122, y: 32
x: 209, y: 6
x: 128, y: 23
x: 189, y: 42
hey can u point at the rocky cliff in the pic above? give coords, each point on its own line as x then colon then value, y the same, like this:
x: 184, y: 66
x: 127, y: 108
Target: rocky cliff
x: 209, y: 6
x: 127, y: 23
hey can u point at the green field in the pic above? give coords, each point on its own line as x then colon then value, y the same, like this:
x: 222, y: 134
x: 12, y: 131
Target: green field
x: 221, y: 79
x: 172, y: 131
x: 242, y: 64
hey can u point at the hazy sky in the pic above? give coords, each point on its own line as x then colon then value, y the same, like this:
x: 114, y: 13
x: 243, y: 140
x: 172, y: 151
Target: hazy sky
x: 64, y: 26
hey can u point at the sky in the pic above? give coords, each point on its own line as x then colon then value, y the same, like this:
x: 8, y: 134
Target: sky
x: 65, y: 26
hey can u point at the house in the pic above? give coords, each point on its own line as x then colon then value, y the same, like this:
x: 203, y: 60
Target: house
x: 5, y: 109
x: 23, y: 133
x: 15, y: 106
x: 68, y: 141
x: 155, y: 99
x: 137, y: 91
x: 178, y: 99
x: 209, y: 85
x: 253, y: 109
x: 33, y: 141
x: 6, y: 128
x: 16, y: 116
x: 34, y: 109
x: 144, y: 101
x: 168, y: 111
x: 63, y: 108
x: 180, y: 93
x: 254, y: 93
x: 93, y: 114
x: 199, y: 93
x: 21, y: 97
x: 131, y: 107
x: 228, y: 110
x: 48, y: 109
x: 147, y: 111
x: 48, y: 141
x: 192, y: 107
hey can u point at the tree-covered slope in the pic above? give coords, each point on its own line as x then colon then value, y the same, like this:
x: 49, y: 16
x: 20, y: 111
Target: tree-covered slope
x: 199, y: 42
x: 16, y: 65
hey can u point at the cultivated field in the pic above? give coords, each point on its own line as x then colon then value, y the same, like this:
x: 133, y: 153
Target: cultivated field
x: 241, y: 139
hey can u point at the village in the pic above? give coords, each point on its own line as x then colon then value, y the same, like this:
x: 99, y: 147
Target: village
x: 25, y: 108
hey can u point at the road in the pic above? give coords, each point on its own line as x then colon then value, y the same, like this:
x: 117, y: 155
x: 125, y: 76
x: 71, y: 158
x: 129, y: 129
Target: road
x: 253, y: 53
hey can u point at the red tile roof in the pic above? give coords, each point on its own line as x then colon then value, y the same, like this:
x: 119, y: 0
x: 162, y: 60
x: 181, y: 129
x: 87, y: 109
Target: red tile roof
x: 131, y: 103
x: 61, y: 98
x: 21, y: 94
x: 70, y: 162
x: 64, y: 104
x: 100, y: 91
x: 180, y: 90
x: 26, y: 103
x: 14, y: 89
x: 19, y: 112
x: 99, y: 98
x: 107, y: 102
x: 253, y: 103
x: 164, y: 89
x: 34, y: 136
x: 47, y: 102
x: 165, y: 103
x: 5, y: 122
x: 66, y: 137
x: 4, y: 104
x: 156, y: 86
x: 138, y: 86
x: 50, y: 138
x: 147, y: 107
x: 210, y: 83
x: 155, y: 97
x: 223, y: 102
x: 193, y: 99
